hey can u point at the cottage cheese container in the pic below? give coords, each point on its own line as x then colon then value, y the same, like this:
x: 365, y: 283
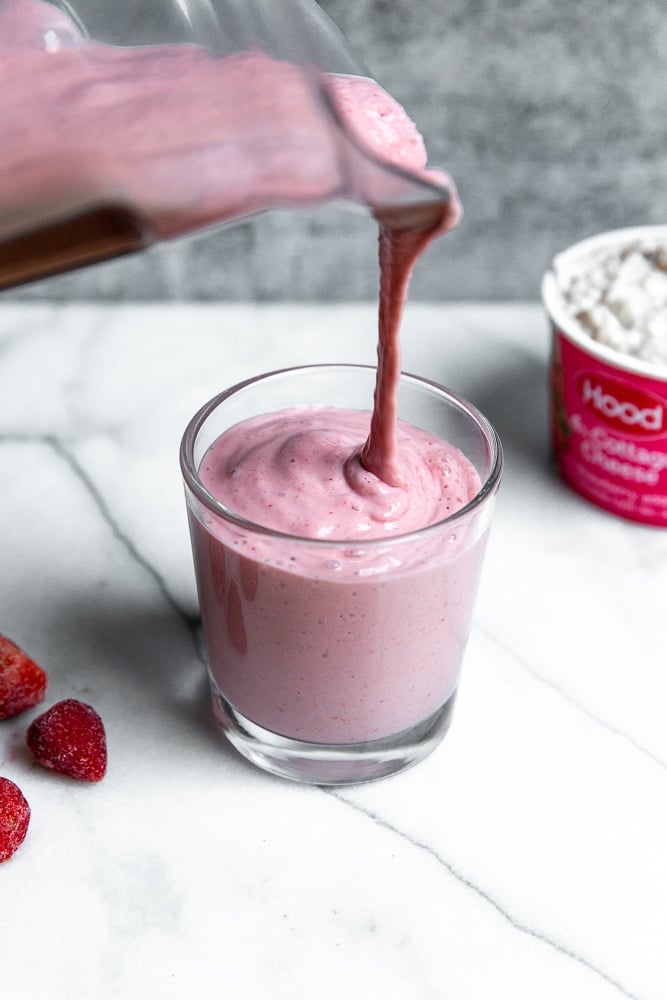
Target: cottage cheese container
x: 606, y: 298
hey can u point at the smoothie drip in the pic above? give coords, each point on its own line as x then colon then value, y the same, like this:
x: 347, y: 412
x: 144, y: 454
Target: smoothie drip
x: 399, y: 250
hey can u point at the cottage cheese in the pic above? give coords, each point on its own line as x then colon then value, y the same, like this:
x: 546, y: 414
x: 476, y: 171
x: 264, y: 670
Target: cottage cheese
x: 618, y: 295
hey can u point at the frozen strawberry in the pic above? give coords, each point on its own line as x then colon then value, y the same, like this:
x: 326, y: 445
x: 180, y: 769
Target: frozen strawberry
x: 22, y: 682
x: 69, y: 737
x: 14, y: 818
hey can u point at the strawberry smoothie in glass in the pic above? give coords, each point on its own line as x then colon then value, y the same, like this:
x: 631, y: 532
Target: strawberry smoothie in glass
x: 336, y: 607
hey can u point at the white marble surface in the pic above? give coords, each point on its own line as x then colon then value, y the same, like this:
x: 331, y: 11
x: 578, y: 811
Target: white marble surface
x: 527, y: 858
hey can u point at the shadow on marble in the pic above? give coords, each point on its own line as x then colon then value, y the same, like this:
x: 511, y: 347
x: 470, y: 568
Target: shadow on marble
x: 130, y: 651
x: 138, y: 644
x: 514, y: 397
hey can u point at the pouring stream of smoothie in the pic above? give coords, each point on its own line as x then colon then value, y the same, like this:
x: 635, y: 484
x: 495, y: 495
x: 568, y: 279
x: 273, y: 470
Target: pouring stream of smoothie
x: 399, y: 252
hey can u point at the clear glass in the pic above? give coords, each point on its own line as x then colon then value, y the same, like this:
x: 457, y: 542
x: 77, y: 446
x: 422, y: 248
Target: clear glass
x: 334, y: 662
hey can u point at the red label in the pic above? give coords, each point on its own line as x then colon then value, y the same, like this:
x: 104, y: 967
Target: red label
x: 609, y: 429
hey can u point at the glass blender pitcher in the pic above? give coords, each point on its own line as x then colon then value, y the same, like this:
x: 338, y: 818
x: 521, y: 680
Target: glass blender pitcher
x: 127, y: 123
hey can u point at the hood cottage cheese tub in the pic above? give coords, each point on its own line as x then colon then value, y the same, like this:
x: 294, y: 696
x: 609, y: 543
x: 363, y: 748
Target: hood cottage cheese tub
x: 606, y: 298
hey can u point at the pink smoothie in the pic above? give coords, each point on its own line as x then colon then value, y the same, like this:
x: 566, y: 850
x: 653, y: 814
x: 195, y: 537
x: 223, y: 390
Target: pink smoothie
x: 341, y: 643
x: 106, y: 149
x: 335, y: 644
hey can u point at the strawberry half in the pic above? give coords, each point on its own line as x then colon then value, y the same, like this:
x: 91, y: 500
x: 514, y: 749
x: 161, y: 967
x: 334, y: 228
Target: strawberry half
x: 22, y: 682
x: 14, y: 818
x: 70, y: 739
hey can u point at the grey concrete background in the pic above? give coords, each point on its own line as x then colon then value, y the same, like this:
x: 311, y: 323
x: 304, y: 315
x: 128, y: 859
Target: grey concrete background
x: 550, y: 115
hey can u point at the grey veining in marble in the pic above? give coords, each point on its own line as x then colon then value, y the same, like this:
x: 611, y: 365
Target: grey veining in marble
x: 524, y: 859
x: 549, y: 115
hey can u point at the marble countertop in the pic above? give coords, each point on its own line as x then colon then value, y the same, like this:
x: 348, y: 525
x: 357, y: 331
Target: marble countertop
x: 527, y: 858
